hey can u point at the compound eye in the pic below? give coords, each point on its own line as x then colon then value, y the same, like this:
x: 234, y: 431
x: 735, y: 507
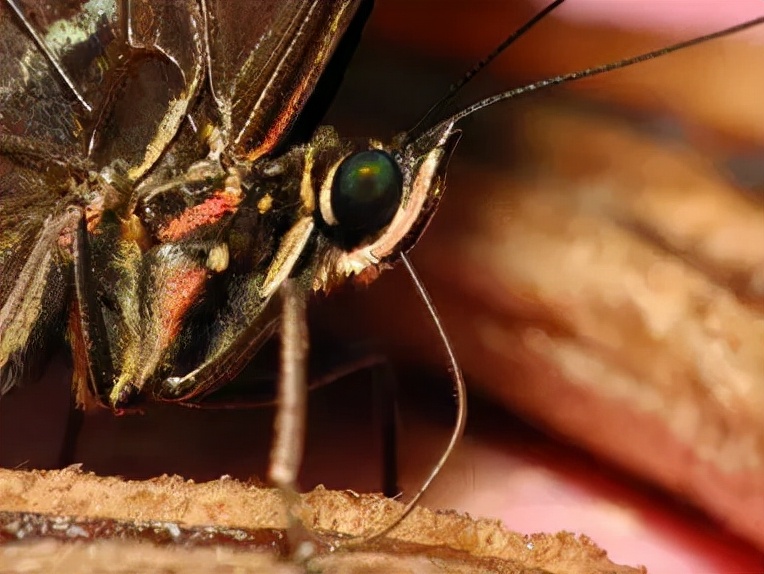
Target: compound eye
x: 366, y: 192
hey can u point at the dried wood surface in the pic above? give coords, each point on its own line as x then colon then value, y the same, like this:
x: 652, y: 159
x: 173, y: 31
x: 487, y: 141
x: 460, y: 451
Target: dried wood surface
x: 174, y: 525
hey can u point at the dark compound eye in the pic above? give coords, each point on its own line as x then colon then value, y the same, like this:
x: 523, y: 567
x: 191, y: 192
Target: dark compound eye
x: 366, y: 192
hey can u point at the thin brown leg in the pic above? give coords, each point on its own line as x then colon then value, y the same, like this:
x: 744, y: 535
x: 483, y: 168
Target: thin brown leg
x: 385, y: 401
x: 386, y: 412
x: 74, y: 422
x: 289, y: 428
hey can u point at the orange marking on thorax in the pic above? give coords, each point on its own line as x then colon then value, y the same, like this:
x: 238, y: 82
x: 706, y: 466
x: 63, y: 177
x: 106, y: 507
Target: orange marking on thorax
x: 209, y: 212
x: 178, y: 293
x: 93, y: 213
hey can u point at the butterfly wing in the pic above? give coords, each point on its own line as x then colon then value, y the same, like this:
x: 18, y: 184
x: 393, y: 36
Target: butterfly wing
x: 265, y: 60
x: 71, y: 78
x: 40, y: 123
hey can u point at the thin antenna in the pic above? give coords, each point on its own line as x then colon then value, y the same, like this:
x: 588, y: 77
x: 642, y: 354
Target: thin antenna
x: 460, y: 391
x: 589, y: 72
x: 439, y: 106
x: 49, y: 55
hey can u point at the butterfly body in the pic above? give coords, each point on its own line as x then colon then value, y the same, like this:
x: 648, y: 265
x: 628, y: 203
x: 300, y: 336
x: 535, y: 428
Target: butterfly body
x: 160, y: 215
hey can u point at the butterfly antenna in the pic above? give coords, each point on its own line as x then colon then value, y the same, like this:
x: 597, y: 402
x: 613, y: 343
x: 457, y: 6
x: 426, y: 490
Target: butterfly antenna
x: 460, y: 392
x: 434, y: 113
x: 590, y: 72
x: 40, y: 41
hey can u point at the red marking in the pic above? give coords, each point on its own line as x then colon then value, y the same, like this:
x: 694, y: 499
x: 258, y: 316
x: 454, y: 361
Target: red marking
x: 93, y: 213
x: 209, y: 212
x: 178, y: 292
x: 85, y: 395
x: 123, y: 412
x: 65, y: 239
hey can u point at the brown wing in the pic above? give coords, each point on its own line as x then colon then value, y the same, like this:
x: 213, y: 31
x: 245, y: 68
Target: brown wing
x: 111, y: 80
x: 40, y: 123
x: 265, y: 60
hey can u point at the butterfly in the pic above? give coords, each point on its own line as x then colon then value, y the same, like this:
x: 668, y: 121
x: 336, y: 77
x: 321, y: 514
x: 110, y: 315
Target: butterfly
x: 168, y: 202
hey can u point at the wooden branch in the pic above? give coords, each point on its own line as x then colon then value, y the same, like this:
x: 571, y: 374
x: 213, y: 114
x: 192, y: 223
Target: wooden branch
x: 75, y: 521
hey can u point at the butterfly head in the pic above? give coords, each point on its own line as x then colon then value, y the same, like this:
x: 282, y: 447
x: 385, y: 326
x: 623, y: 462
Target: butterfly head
x: 375, y: 201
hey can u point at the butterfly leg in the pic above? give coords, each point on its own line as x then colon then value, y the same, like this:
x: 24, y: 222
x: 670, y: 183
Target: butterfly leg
x: 74, y: 422
x: 289, y: 432
x: 86, y: 334
x: 93, y: 369
x: 289, y: 427
x: 386, y: 408
x: 291, y: 404
x: 367, y: 358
